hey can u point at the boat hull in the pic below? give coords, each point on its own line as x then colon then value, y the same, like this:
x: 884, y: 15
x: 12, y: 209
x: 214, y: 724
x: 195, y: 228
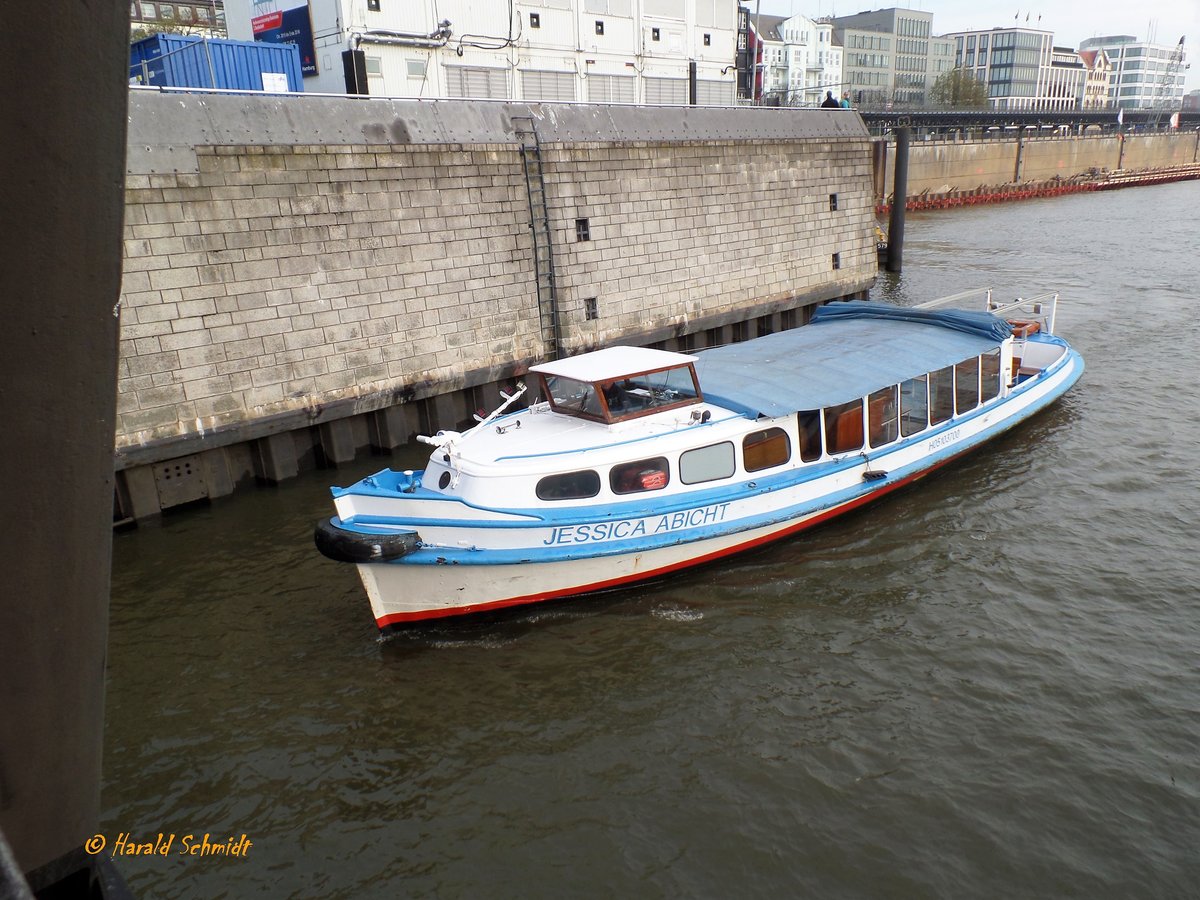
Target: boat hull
x: 401, y: 595
x: 426, y: 586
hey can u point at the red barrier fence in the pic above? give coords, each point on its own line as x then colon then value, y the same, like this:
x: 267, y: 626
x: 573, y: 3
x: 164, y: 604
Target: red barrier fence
x: 1005, y: 193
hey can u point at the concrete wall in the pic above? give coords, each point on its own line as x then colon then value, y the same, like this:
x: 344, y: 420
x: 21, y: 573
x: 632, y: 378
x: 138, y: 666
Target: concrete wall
x: 63, y: 154
x: 296, y: 263
x: 941, y: 166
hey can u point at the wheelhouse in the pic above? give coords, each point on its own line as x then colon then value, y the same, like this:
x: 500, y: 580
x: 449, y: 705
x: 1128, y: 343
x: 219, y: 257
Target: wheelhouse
x: 619, y: 383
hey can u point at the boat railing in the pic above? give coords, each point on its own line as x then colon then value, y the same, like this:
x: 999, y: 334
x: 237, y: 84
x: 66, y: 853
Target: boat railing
x: 1024, y: 311
x: 975, y: 298
x: 1040, y: 309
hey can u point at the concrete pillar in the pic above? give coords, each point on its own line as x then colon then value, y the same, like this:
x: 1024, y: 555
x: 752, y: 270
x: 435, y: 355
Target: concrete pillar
x: 879, y: 168
x: 142, y: 491
x: 337, y: 442
x: 276, y: 458
x: 447, y: 411
x: 389, y: 428
x: 215, y: 466
x: 62, y: 202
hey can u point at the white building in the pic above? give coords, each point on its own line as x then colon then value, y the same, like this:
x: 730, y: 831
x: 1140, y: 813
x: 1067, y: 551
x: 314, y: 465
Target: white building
x: 800, y: 61
x: 1144, y: 75
x: 626, y: 51
x: 814, y: 61
x: 1068, y: 80
x: 1099, y: 73
x: 1016, y: 64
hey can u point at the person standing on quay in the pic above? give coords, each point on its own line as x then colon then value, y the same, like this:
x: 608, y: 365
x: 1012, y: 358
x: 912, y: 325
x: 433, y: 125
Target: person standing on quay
x: 829, y: 102
x: 845, y: 100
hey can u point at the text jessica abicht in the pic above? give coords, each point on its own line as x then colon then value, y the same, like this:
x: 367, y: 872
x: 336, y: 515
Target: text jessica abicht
x: 163, y: 844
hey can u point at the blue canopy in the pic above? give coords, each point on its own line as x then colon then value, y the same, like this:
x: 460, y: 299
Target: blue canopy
x: 846, y: 352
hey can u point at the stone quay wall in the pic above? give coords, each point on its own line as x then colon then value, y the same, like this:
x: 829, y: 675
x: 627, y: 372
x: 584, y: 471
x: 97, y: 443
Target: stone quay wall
x: 942, y: 166
x: 305, y: 277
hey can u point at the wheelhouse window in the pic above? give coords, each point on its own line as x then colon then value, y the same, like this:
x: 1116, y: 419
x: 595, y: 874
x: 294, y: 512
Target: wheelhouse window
x: 990, y: 375
x: 966, y: 385
x: 941, y: 395
x: 627, y: 397
x: 882, y: 410
x: 914, y: 406
x: 580, y: 398
x: 706, y: 463
x: 766, y: 449
x: 643, y: 475
x: 569, y: 486
x: 844, y: 427
x: 808, y: 422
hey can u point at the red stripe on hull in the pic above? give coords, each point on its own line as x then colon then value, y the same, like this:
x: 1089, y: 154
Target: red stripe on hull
x: 425, y: 615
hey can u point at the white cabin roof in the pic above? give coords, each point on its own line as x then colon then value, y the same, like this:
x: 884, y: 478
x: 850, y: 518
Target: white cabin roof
x: 612, y: 362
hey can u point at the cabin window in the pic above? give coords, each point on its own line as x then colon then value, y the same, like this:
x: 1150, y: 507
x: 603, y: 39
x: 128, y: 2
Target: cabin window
x: 665, y: 388
x: 615, y: 399
x: 990, y: 372
x: 571, y: 396
x: 569, y: 486
x: 808, y: 423
x: 844, y: 427
x: 706, y: 463
x: 766, y: 449
x: 881, y: 416
x: 914, y: 406
x: 941, y: 395
x: 966, y: 385
x: 643, y: 475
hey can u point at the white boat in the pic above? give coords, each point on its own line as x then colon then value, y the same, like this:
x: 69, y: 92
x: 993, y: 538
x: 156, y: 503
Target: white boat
x: 634, y: 463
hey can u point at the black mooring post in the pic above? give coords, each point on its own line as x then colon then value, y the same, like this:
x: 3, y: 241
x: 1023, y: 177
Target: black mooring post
x: 895, y: 253
x: 692, y: 82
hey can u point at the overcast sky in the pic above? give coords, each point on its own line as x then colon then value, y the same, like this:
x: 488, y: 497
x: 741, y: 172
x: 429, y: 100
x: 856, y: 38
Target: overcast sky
x: 1072, y: 21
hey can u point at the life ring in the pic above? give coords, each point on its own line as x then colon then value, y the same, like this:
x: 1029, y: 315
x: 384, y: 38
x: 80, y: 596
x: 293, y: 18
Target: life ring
x: 343, y: 545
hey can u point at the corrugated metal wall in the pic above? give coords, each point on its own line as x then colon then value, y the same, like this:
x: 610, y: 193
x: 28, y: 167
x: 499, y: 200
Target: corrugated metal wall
x: 175, y: 60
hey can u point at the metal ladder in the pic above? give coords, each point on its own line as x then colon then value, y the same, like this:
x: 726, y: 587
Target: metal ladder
x: 539, y: 224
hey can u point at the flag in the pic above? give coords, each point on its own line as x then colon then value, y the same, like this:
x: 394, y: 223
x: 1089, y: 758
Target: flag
x: 1121, y: 117
x: 1174, y: 120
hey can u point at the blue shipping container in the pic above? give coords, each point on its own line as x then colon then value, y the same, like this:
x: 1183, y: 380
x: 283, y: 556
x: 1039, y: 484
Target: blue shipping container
x: 181, y: 60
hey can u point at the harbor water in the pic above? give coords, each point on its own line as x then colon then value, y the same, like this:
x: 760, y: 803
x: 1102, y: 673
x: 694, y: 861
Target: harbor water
x: 986, y: 685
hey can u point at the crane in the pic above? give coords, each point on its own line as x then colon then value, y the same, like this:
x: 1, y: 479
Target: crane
x: 1164, y: 91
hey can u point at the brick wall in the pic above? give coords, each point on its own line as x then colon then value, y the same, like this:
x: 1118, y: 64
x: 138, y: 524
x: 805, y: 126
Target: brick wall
x: 280, y: 277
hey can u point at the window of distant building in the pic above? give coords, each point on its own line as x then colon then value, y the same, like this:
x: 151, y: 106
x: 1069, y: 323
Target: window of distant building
x: 535, y: 20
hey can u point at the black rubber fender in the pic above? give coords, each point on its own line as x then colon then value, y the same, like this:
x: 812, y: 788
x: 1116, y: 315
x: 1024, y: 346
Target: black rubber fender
x: 358, y: 547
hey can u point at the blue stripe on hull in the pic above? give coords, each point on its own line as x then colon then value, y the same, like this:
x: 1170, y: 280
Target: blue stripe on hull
x: 611, y: 514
